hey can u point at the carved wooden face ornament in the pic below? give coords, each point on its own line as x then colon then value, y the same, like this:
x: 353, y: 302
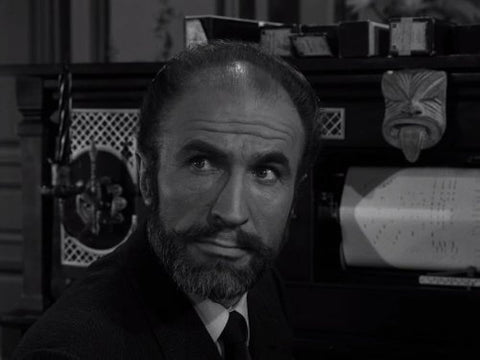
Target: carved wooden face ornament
x: 415, y: 109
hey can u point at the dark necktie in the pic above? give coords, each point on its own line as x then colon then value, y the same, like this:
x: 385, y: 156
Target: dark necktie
x: 234, y: 338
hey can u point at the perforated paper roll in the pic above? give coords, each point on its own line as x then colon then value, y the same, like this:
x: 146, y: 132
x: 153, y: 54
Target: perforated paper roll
x: 411, y: 218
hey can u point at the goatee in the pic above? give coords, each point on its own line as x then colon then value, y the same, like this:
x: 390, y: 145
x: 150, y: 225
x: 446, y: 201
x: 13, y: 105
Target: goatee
x: 220, y: 280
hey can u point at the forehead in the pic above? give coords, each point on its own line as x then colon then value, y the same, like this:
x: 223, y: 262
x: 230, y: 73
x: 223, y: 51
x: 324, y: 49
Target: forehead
x: 238, y: 75
x: 225, y: 105
x: 419, y: 84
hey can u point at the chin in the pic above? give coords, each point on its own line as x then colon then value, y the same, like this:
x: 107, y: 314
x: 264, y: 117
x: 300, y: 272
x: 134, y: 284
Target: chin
x: 208, y: 271
x: 220, y: 280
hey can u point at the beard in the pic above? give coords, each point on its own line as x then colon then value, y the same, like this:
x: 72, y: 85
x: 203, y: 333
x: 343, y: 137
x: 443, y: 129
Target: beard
x: 218, y: 279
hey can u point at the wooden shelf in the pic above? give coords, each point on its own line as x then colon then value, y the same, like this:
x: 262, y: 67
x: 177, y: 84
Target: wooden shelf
x: 381, y: 64
x: 460, y: 63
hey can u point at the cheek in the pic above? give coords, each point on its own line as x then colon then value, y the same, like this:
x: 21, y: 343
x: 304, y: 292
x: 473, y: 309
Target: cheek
x: 184, y: 201
x: 270, y: 212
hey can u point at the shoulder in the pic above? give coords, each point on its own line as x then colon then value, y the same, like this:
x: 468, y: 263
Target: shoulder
x: 96, y: 313
x: 45, y: 354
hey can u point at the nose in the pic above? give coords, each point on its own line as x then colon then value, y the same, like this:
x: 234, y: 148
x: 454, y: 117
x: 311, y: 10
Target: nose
x: 230, y: 208
x: 413, y: 109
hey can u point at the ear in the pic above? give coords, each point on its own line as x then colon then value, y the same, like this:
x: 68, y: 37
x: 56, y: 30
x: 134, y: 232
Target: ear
x: 298, y: 188
x: 301, y: 180
x: 143, y: 179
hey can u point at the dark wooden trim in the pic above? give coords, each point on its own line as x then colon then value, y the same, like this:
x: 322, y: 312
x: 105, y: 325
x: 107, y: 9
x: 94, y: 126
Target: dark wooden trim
x: 89, y: 84
x: 9, y: 142
x: 341, y: 11
x: 10, y: 185
x: 10, y: 163
x: 62, y: 31
x: 9, y: 153
x: 247, y: 9
x: 10, y: 236
x: 11, y: 266
x: 452, y: 63
x: 49, y: 31
x: 100, y: 34
x: 31, y: 130
x: 42, y: 47
x: 220, y: 6
x: 379, y: 65
x: 284, y: 11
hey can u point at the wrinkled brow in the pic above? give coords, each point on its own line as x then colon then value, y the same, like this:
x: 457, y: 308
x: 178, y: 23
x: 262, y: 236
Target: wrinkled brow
x: 274, y: 157
x: 203, y: 147
x: 268, y: 157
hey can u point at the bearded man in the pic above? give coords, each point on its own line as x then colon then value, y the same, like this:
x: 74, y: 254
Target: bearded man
x: 226, y: 135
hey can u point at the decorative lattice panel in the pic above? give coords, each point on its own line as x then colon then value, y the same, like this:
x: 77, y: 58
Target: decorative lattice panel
x: 74, y: 253
x: 332, y: 123
x: 111, y: 128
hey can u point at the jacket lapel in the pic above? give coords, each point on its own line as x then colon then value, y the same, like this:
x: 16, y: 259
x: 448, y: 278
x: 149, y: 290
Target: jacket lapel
x: 176, y: 326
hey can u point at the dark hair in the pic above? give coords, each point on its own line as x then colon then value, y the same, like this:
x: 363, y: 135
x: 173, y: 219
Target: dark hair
x: 172, y: 80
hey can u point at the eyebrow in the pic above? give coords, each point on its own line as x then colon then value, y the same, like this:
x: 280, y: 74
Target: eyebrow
x: 273, y: 157
x: 204, y: 148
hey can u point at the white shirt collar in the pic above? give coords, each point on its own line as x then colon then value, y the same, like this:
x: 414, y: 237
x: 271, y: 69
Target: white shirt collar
x: 214, y: 316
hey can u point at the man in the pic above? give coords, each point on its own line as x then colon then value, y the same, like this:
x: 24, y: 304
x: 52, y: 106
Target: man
x: 226, y: 135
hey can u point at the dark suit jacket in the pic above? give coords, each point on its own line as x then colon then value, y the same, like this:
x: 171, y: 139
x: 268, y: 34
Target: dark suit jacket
x: 127, y: 307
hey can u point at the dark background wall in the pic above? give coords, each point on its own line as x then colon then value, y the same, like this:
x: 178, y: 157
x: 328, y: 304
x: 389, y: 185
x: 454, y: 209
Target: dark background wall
x: 14, y: 48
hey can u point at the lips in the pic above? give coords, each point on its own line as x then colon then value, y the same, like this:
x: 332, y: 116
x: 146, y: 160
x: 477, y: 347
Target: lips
x: 222, y: 245
x: 228, y: 242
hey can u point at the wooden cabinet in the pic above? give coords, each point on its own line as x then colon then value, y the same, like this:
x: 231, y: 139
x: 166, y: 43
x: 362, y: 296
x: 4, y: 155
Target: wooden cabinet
x: 336, y: 312
x: 344, y: 312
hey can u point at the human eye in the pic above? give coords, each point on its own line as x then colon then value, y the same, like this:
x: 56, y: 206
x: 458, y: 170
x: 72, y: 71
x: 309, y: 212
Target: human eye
x: 266, y: 174
x: 201, y: 164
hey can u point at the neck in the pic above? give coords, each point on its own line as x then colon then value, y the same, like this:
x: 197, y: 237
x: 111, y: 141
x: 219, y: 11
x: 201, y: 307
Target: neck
x: 228, y: 303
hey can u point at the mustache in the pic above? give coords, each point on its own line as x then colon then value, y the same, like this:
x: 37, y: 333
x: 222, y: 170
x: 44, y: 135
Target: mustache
x: 250, y: 242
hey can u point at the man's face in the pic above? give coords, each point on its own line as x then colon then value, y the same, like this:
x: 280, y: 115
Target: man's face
x: 225, y: 185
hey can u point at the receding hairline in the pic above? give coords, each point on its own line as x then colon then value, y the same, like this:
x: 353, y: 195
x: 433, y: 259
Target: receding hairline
x: 243, y: 77
x: 236, y: 75
x: 174, y: 79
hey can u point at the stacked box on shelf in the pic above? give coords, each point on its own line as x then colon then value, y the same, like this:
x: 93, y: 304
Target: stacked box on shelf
x: 202, y: 29
x: 420, y: 36
x: 316, y: 40
x: 277, y: 39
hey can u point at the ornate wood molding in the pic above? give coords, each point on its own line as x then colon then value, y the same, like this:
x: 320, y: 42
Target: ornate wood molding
x: 31, y: 132
x: 100, y: 32
x: 49, y: 31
